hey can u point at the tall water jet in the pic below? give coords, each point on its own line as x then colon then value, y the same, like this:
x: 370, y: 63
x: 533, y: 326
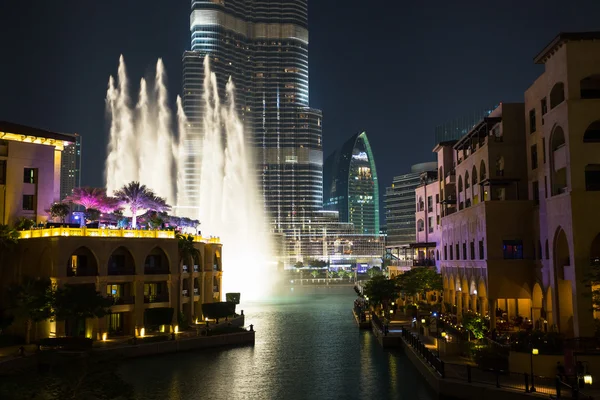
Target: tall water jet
x: 144, y: 147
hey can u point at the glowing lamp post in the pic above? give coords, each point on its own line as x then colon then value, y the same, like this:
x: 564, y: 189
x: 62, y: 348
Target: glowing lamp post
x: 534, y: 352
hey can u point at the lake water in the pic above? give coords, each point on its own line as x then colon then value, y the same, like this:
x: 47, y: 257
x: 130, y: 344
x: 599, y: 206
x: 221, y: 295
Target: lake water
x: 307, y: 347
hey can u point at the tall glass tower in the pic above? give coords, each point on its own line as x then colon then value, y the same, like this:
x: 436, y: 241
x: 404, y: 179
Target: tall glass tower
x: 263, y: 46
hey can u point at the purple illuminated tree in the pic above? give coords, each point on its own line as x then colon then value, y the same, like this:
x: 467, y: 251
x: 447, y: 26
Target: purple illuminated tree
x: 138, y: 199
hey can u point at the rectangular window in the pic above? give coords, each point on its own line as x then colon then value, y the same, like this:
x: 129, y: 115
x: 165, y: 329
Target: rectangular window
x: 445, y: 252
x: 451, y: 255
x: 2, y: 172
x: 534, y: 157
x: 472, y: 245
x: 545, y: 187
x: 29, y: 175
x: 457, y: 248
x: 464, y: 250
x: 481, y: 255
x: 532, y: 126
x: 28, y: 202
x: 513, y: 249
x: 544, y: 107
x: 438, y: 219
x: 437, y: 199
x: 544, y: 149
x: 430, y: 223
x: 535, y: 192
x: 429, y: 203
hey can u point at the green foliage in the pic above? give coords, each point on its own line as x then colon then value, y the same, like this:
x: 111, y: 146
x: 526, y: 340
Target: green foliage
x: 332, y: 274
x: 315, y: 274
x: 31, y: 300
x: 92, y: 214
x: 187, y: 250
x: 60, y: 211
x: 156, y: 220
x: 341, y: 273
x: 80, y: 302
x: 218, y: 310
x: 299, y: 264
x: 233, y: 298
x: 154, y: 317
x: 420, y: 280
x: 182, y: 321
x: 381, y: 290
x: 374, y: 271
x: 488, y: 358
x: 476, y: 324
x: 24, y: 224
x: 8, y: 238
x: 317, y: 263
x: 139, y: 198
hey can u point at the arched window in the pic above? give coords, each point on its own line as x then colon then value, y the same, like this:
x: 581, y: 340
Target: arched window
x: 558, y: 162
x: 156, y: 262
x: 82, y: 263
x: 590, y: 87
x: 499, y: 166
x: 421, y: 205
x: 558, y: 139
x: 441, y: 174
x: 460, y: 184
x: 121, y: 262
x: 474, y: 175
x: 592, y: 133
x: 557, y: 95
x: 420, y: 225
x: 482, y: 172
x: 467, y: 181
x: 592, y: 177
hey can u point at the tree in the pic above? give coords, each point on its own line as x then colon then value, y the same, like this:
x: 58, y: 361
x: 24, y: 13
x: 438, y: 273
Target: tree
x: 139, y: 199
x: 381, y: 290
x: 8, y: 238
x: 92, y: 214
x: 31, y: 300
x: 420, y: 280
x: 186, y: 247
x: 299, y: 265
x: 60, y: 211
x: 373, y: 272
x: 314, y: 274
x: 24, y: 224
x: 88, y: 197
x: 475, y: 324
x: 317, y: 263
x: 75, y: 303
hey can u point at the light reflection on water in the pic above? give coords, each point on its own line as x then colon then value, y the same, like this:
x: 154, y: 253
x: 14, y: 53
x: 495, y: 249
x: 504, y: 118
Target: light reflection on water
x: 307, y: 347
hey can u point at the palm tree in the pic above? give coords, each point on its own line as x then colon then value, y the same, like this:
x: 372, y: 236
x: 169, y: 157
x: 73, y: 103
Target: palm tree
x: 88, y: 197
x: 186, y: 247
x: 139, y: 199
x: 8, y: 238
x: 59, y: 210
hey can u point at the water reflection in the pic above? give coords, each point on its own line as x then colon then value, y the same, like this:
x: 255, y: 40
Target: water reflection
x: 307, y: 347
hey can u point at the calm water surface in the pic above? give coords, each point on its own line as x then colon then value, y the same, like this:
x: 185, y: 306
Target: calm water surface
x: 307, y: 347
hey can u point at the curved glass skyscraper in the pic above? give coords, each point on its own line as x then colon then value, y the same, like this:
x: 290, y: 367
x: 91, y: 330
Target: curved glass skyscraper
x: 263, y: 46
x: 351, y: 185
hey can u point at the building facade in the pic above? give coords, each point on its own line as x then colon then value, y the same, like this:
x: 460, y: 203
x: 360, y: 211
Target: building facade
x: 263, y: 47
x: 137, y: 270
x: 70, y: 167
x: 428, y: 219
x: 459, y: 127
x: 562, y: 110
x: 400, y: 210
x: 351, y: 187
x: 30, y: 167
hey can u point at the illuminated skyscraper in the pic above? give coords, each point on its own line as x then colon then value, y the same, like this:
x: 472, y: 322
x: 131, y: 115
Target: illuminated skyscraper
x: 263, y: 46
x: 70, y: 167
x: 351, y: 185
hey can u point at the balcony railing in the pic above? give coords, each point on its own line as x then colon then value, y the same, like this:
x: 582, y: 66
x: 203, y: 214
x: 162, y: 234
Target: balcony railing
x: 121, y: 300
x: 157, y: 298
x: 184, y: 269
x: 105, y: 232
x: 424, y: 262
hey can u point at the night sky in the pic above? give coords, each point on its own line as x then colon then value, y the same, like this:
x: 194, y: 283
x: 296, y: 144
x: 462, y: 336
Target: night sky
x: 393, y: 68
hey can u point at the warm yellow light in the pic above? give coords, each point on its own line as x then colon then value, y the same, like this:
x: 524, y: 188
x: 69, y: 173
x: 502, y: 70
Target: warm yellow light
x: 535, y: 352
x: 422, y: 320
x: 104, y: 336
x: 197, y: 321
x: 444, y: 334
x: 142, y: 332
x: 176, y: 328
x: 206, y: 319
x: 393, y: 303
x: 587, y: 379
x: 391, y: 311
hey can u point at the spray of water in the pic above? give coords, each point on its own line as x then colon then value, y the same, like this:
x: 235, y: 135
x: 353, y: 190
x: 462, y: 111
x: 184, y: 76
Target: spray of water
x: 144, y: 147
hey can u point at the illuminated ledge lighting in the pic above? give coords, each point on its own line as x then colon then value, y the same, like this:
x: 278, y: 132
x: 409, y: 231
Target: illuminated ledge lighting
x: 59, y: 144
x: 117, y: 233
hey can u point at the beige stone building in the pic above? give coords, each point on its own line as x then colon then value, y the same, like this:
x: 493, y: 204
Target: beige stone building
x: 562, y: 108
x: 137, y: 269
x: 30, y: 162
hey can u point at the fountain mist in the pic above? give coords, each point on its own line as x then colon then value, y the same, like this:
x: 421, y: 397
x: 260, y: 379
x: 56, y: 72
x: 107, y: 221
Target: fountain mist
x: 144, y: 147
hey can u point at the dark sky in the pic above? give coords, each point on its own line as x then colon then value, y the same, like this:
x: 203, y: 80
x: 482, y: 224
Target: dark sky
x: 393, y: 68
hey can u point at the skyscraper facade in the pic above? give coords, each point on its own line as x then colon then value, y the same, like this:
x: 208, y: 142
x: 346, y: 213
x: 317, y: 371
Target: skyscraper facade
x: 401, y: 205
x: 70, y: 167
x: 351, y: 186
x: 459, y: 127
x: 263, y: 47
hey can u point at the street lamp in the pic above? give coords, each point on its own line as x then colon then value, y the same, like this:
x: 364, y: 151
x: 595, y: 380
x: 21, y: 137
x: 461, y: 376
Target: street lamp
x: 534, y: 352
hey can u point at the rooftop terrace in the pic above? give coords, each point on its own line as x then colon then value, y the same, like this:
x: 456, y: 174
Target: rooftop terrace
x: 108, y: 233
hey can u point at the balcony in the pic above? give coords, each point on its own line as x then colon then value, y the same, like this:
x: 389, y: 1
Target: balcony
x: 196, y: 291
x: 184, y: 269
x: 424, y: 262
x: 185, y: 293
x: 196, y: 268
x: 156, y: 298
x: 215, y: 289
x: 122, y: 300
